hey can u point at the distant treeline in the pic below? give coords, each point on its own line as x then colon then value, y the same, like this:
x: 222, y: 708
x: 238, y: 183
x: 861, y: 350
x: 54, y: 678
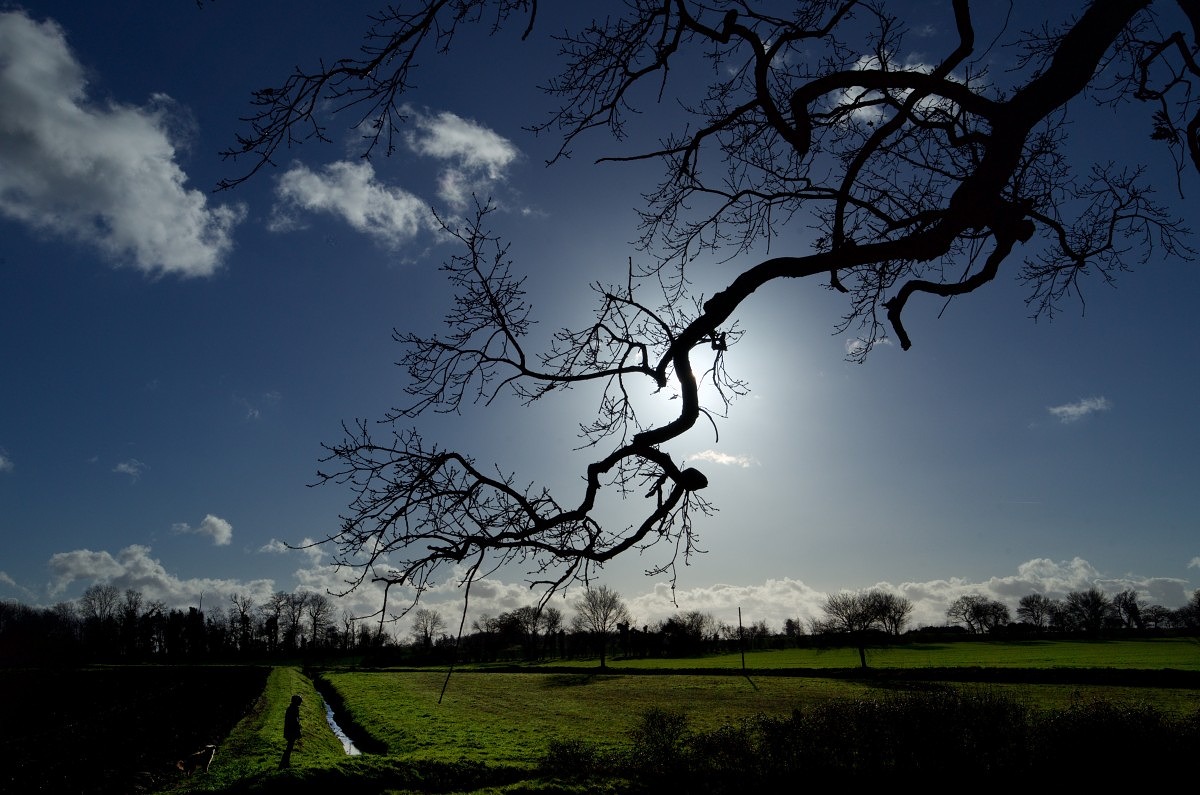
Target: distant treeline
x: 108, y: 625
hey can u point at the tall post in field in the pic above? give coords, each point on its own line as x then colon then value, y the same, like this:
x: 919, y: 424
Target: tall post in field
x: 742, y: 641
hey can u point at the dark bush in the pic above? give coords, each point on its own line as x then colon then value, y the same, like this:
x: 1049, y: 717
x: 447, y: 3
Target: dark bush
x: 571, y: 759
x: 1117, y: 737
x: 658, y: 744
x: 908, y: 736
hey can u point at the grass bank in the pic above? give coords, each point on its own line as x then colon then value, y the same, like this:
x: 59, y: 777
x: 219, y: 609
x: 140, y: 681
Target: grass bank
x: 249, y: 756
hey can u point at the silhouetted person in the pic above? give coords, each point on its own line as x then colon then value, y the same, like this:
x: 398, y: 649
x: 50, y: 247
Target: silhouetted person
x: 291, y: 730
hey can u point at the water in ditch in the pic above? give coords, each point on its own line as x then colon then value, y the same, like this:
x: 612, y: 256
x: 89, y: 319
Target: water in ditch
x: 347, y: 743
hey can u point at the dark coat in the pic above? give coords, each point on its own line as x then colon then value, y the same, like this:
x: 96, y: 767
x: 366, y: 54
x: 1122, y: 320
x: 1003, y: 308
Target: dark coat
x: 291, y: 723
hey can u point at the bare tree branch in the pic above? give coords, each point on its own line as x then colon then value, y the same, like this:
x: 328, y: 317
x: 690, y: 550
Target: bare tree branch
x: 916, y: 179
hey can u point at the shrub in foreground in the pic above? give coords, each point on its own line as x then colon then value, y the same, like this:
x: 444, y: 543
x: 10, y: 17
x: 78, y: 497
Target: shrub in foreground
x: 897, y: 737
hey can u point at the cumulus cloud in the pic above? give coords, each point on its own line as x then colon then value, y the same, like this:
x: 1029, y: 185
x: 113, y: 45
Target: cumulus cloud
x: 215, y: 527
x: 12, y: 586
x: 133, y: 468
x: 1073, y: 412
x: 1194, y: 563
x: 6, y: 463
x: 472, y: 158
x: 105, y: 174
x: 725, y: 459
x: 775, y: 601
x: 84, y: 564
x: 350, y: 191
x: 275, y: 547
x: 134, y: 568
x: 865, y: 104
x: 478, y: 155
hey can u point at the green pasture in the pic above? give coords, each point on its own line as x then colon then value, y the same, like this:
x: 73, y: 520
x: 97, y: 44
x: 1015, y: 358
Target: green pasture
x: 509, y: 718
x: 494, y: 726
x: 1150, y: 654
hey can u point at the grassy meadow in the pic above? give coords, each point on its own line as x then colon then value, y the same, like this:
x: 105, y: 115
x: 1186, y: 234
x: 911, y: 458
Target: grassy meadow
x: 510, y: 718
x: 495, y: 724
x: 494, y: 730
x: 1181, y: 654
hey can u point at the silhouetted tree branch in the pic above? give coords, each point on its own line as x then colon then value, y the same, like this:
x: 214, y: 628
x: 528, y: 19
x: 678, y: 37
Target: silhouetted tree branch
x: 919, y: 179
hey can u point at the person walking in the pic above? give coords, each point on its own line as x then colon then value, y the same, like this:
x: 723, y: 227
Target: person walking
x: 291, y: 730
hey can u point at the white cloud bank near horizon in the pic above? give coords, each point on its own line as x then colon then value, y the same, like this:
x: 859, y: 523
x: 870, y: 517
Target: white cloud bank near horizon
x: 104, y: 175
x: 134, y: 568
x: 773, y: 601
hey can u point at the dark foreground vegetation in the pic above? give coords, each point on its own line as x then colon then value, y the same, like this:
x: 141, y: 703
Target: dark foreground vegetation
x: 115, y: 729
x: 915, y: 736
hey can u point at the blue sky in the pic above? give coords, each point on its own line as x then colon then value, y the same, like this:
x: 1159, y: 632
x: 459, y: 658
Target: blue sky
x: 173, y: 357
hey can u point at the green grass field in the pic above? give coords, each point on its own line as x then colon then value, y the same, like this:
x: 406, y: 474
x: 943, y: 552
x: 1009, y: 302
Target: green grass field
x: 509, y: 718
x: 502, y: 722
x: 1149, y: 654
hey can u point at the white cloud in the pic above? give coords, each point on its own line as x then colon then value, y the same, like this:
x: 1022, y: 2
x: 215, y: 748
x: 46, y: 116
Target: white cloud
x: 1073, y: 412
x: 858, y: 346
x: 743, y: 461
x: 6, y: 463
x: 476, y: 158
x: 350, y: 191
x: 8, y: 582
x: 83, y: 564
x: 450, y: 137
x: 132, y: 467
x: 133, y: 568
x: 215, y: 527
x: 773, y: 601
x: 275, y: 547
x: 104, y: 175
x: 866, y: 106
x: 479, y: 154
x: 1194, y: 563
